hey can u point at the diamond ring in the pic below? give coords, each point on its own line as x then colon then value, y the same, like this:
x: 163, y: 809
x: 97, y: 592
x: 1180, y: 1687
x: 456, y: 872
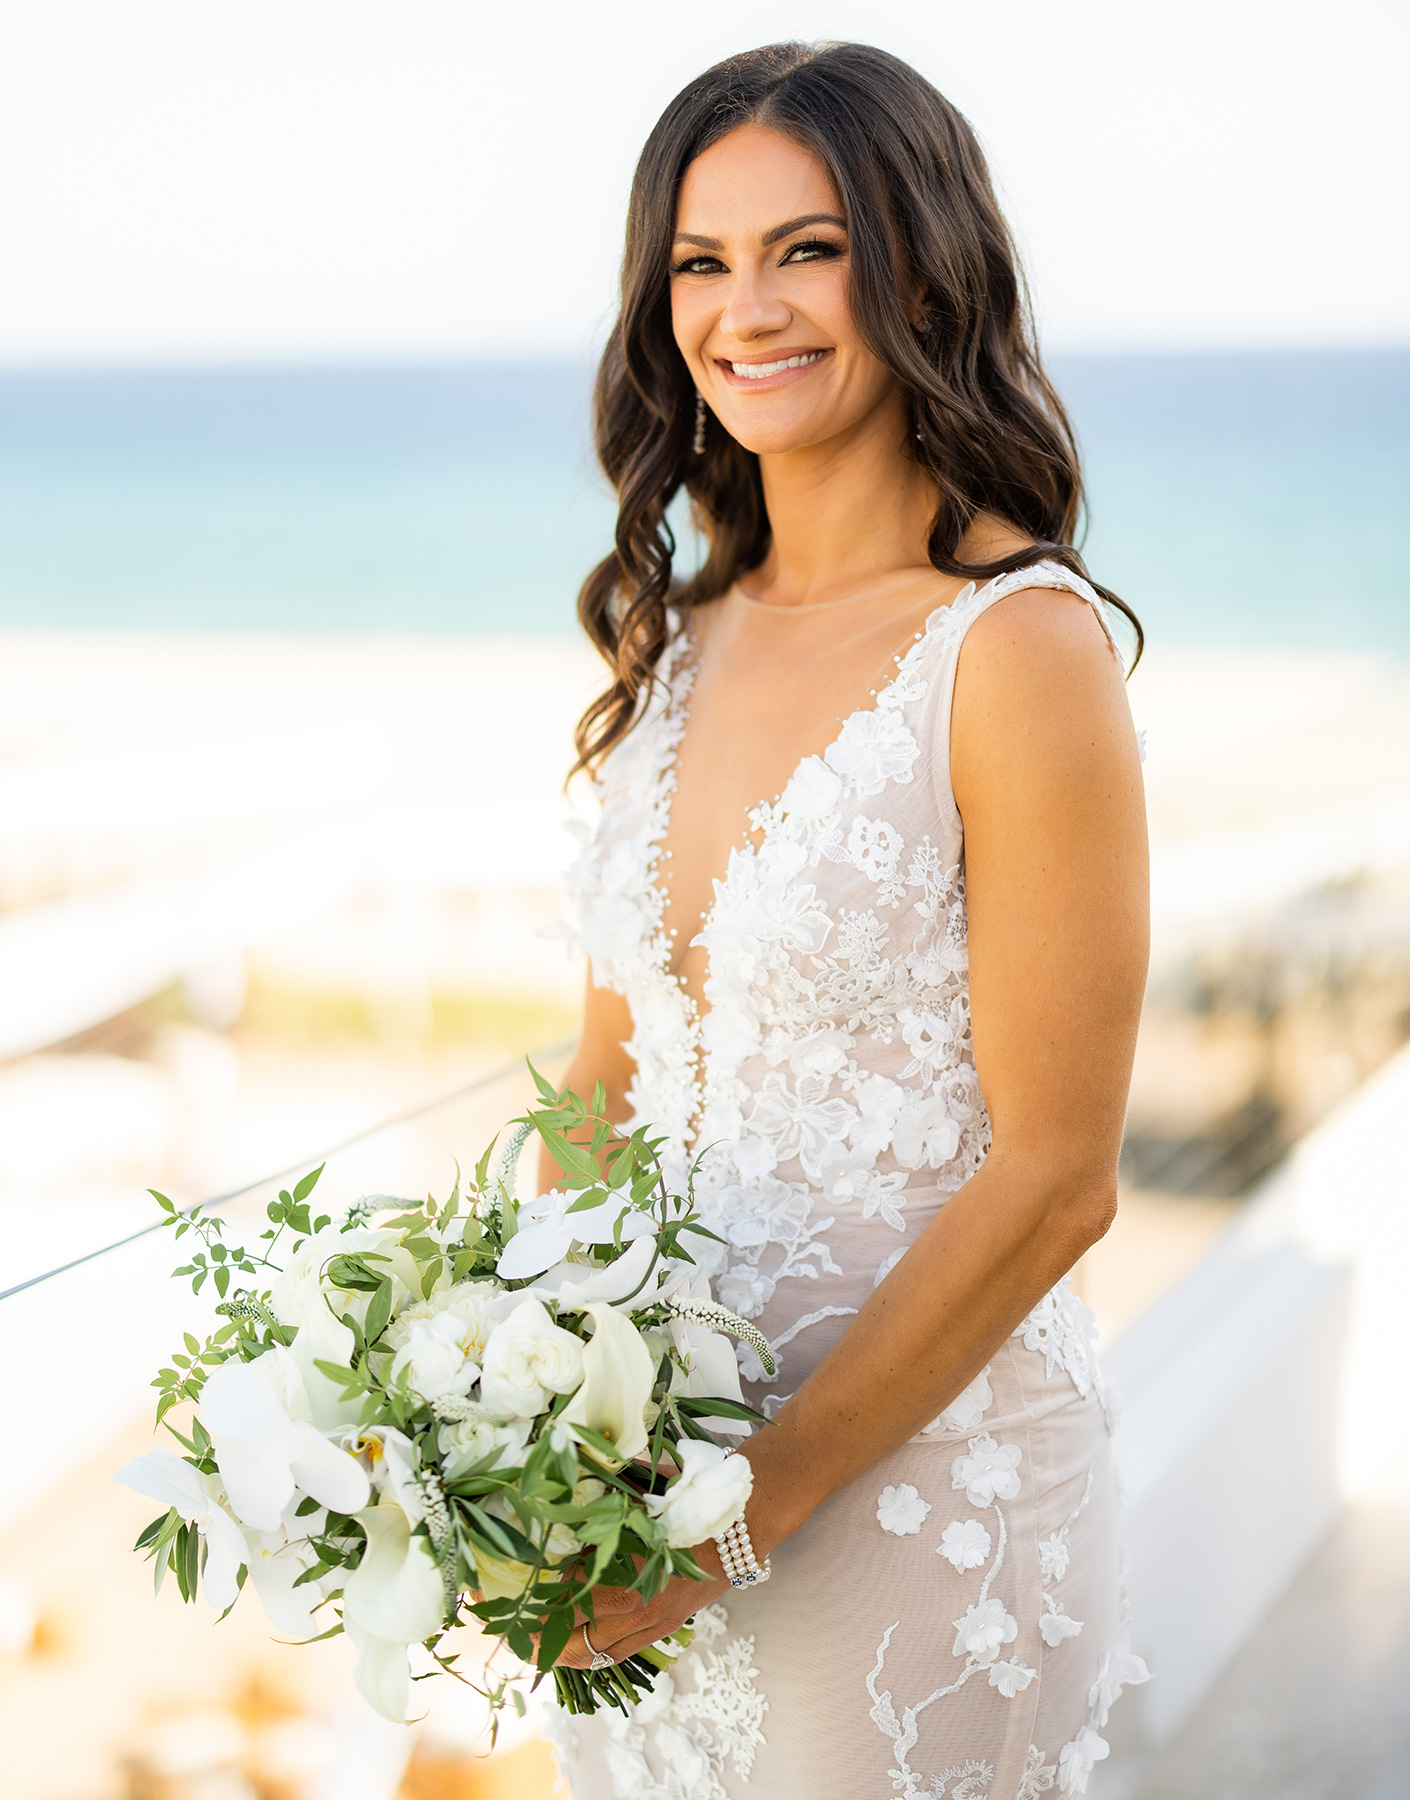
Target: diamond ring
x: 600, y: 1658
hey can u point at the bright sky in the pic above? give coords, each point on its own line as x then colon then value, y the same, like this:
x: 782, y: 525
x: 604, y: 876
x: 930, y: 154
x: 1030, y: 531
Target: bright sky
x: 233, y: 179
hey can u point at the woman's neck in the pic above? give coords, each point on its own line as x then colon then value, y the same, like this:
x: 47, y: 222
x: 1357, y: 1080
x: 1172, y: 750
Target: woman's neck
x: 845, y: 513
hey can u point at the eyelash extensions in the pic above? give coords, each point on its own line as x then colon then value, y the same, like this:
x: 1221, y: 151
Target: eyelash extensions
x: 823, y: 245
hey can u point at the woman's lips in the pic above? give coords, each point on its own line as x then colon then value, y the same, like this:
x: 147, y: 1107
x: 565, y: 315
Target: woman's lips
x: 788, y: 365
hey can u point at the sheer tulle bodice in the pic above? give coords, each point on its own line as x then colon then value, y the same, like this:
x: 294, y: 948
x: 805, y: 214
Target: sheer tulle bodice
x: 829, y: 1081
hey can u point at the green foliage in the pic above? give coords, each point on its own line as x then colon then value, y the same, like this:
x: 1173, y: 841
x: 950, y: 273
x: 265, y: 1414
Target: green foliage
x: 487, y: 1517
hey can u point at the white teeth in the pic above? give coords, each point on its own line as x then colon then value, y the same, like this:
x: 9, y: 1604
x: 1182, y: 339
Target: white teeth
x: 761, y: 371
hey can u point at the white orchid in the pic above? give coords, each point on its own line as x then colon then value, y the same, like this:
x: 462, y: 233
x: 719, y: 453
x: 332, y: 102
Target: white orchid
x: 618, y: 1374
x: 200, y: 1500
x: 266, y: 1447
x: 575, y: 1285
x: 548, y: 1230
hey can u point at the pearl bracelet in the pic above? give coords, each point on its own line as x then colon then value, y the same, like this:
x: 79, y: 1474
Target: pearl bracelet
x: 737, y: 1558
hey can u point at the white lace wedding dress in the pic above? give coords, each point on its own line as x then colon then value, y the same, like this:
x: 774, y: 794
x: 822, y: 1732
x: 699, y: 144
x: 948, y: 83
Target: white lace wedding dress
x: 952, y: 1624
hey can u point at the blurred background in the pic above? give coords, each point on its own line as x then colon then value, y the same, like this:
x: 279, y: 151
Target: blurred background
x: 297, y: 322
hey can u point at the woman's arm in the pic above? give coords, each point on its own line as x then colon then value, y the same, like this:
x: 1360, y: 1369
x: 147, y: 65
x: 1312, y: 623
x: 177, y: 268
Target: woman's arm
x: 600, y: 1056
x: 1047, y: 778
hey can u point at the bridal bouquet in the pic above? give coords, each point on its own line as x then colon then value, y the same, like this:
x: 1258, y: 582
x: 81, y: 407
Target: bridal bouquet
x: 466, y: 1407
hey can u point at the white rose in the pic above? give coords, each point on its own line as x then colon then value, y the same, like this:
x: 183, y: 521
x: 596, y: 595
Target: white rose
x: 527, y: 1359
x: 476, y: 1304
x: 619, y: 1373
x: 291, y: 1293
x: 706, y: 1497
x: 468, y: 1442
x: 433, y: 1359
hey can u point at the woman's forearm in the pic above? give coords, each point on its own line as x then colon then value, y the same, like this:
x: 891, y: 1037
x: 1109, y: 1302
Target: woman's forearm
x: 972, y: 1276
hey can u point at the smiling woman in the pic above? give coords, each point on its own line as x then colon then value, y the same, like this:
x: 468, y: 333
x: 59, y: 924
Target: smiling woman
x: 869, y: 868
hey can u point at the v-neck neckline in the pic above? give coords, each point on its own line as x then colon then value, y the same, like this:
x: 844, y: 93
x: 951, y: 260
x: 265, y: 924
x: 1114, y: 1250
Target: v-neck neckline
x: 684, y: 669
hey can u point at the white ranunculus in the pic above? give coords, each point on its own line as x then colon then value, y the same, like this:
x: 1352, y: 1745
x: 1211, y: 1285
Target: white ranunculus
x: 706, y: 1497
x: 199, y: 1499
x: 468, y: 1442
x: 527, y: 1360
x: 265, y: 1445
x: 618, y: 1375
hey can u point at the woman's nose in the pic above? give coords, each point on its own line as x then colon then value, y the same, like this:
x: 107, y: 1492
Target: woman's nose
x: 754, y: 309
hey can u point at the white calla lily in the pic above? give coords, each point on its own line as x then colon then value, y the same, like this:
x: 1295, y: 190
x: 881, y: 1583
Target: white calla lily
x: 172, y: 1481
x: 382, y: 1674
x: 266, y: 1447
x: 396, y: 1591
x: 618, y: 1373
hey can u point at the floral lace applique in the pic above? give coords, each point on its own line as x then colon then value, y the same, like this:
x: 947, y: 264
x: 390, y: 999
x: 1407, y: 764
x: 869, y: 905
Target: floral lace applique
x: 1060, y: 1329
x: 1038, y: 1775
x: 693, y: 1734
x: 901, y: 1511
x: 1053, y: 1553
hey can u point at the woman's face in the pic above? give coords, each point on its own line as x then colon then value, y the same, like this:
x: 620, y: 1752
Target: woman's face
x: 759, y: 275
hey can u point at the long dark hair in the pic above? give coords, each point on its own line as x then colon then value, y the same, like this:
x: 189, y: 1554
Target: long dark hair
x: 921, y: 214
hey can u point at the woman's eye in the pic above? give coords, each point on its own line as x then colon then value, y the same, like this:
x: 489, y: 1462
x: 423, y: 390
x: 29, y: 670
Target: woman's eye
x: 698, y: 265
x: 813, y: 250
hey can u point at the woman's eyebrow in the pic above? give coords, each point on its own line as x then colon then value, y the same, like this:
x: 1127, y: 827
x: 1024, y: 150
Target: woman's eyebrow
x: 792, y: 225
x: 772, y: 236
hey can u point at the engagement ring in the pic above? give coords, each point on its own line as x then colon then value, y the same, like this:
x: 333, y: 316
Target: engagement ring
x: 600, y: 1658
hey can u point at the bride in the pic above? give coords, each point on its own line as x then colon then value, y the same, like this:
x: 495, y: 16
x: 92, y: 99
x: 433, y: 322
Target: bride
x: 866, y: 920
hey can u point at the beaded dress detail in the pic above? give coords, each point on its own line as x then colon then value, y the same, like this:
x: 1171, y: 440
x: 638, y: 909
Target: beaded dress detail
x: 952, y: 1624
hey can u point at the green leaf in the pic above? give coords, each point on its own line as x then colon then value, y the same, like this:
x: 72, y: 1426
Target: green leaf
x: 379, y: 1310
x: 720, y: 1409
x: 553, y: 1639
x: 309, y: 1182
x: 546, y: 1092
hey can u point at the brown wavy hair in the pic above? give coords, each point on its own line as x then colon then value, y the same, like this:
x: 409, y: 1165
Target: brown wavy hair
x: 922, y: 218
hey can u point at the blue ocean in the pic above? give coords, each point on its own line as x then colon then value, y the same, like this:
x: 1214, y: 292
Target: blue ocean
x: 1235, y: 499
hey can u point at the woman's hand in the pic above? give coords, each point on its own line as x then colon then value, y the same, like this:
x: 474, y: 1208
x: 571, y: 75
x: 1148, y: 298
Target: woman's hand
x: 625, y: 1623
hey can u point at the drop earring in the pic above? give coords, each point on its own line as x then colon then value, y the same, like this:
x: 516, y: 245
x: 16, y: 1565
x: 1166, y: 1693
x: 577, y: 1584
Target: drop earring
x: 697, y: 444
